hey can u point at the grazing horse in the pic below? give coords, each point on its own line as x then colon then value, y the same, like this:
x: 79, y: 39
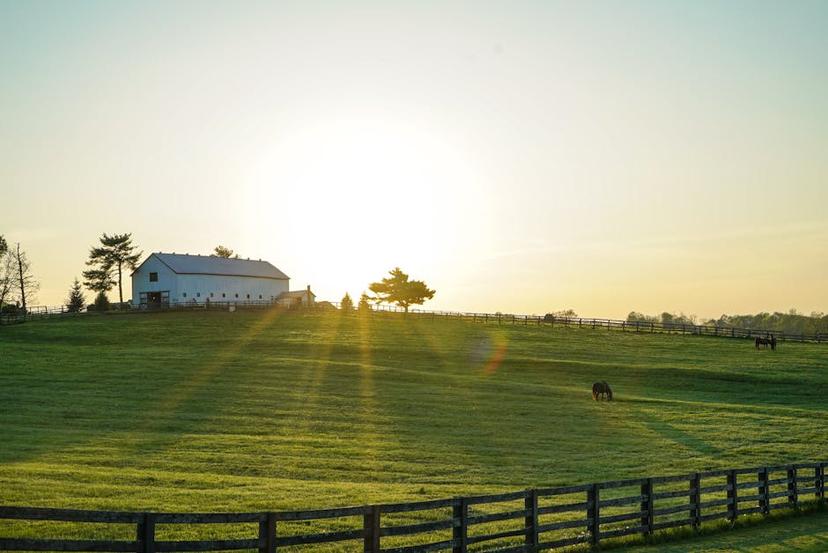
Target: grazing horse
x: 601, y: 389
x: 764, y: 342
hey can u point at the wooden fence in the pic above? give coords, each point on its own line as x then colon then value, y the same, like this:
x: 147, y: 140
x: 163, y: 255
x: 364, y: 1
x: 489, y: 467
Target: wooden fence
x: 496, y: 318
x: 611, y: 324
x: 541, y: 519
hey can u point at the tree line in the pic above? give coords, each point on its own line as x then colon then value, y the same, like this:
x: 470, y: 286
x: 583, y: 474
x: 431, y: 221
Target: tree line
x: 109, y: 262
x: 791, y: 322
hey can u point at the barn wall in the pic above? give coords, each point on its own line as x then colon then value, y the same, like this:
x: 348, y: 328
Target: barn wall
x: 199, y: 287
x: 140, y: 279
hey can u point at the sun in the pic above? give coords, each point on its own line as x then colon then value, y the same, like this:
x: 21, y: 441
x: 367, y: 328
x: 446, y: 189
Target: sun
x: 365, y: 192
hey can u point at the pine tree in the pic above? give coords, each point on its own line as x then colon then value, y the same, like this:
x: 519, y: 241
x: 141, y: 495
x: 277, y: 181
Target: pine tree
x: 222, y: 251
x: 101, y: 302
x: 364, y: 305
x: 116, y: 254
x: 76, y: 301
x: 397, y: 288
x: 347, y: 303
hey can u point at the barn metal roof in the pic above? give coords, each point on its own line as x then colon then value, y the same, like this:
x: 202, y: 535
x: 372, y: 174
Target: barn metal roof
x: 212, y: 265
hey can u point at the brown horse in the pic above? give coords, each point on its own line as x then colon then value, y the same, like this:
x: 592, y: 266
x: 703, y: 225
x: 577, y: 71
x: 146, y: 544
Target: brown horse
x: 601, y: 389
x: 764, y: 342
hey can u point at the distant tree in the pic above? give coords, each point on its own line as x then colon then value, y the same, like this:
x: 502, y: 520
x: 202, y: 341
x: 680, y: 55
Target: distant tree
x: 76, y: 301
x: 7, y: 278
x: 101, y: 302
x: 25, y: 282
x: 4, y: 246
x: 635, y: 317
x: 364, y: 303
x: 221, y: 251
x: 347, y: 304
x: 398, y: 289
x: 116, y: 253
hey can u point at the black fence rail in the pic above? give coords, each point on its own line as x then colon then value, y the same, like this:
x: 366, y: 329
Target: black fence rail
x: 40, y: 312
x: 521, y: 521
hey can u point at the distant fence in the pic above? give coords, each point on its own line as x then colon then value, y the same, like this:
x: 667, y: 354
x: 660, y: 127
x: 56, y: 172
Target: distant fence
x: 609, y: 324
x: 522, y: 521
x: 497, y: 318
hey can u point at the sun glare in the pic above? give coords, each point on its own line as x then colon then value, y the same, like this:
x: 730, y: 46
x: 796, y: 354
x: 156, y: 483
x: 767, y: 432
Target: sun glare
x: 368, y: 192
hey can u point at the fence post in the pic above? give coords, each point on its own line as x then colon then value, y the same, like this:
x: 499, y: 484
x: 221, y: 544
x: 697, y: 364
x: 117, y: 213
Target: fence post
x: 695, y: 500
x: 371, y: 530
x: 647, y: 507
x: 732, y: 496
x: 793, y: 498
x: 820, y: 482
x: 531, y: 520
x: 267, y: 533
x: 146, y: 534
x: 460, y: 532
x: 764, y: 500
x: 594, y: 514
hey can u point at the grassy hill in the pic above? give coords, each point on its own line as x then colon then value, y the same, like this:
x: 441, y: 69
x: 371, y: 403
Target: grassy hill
x: 262, y: 410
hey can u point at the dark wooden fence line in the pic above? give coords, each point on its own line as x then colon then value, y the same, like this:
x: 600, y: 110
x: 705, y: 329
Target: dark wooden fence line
x: 494, y: 318
x: 610, y: 324
x: 584, y: 514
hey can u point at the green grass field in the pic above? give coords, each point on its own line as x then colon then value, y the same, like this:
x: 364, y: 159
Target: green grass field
x: 267, y: 411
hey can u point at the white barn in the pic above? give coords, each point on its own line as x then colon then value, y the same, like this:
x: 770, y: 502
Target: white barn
x: 168, y: 278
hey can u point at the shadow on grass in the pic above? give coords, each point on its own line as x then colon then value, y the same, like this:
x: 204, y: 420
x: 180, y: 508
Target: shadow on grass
x: 783, y: 530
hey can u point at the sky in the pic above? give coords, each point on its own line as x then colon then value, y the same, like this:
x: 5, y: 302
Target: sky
x: 519, y: 157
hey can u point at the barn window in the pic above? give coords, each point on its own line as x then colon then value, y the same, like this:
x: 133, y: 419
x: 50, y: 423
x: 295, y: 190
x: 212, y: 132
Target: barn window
x: 211, y: 294
x: 260, y: 296
x: 223, y: 295
x: 237, y: 295
x: 184, y: 294
x: 198, y: 294
x: 153, y: 277
x: 248, y: 296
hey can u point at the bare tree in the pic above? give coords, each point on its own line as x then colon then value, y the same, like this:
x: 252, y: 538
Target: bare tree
x: 27, y: 286
x: 7, y: 278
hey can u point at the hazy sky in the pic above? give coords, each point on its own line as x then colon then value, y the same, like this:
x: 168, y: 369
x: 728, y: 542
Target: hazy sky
x: 521, y: 157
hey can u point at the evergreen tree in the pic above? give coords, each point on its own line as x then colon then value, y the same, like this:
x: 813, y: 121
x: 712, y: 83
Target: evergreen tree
x: 76, y: 301
x: 222, y: 251
x: 347, y: 303
x: 115, y: 254
x: 397, y: 288
x: 101, y: 302
x: 364, y: 305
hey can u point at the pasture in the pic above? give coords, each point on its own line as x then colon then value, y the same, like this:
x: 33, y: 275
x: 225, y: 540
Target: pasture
x: 271, y: 411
